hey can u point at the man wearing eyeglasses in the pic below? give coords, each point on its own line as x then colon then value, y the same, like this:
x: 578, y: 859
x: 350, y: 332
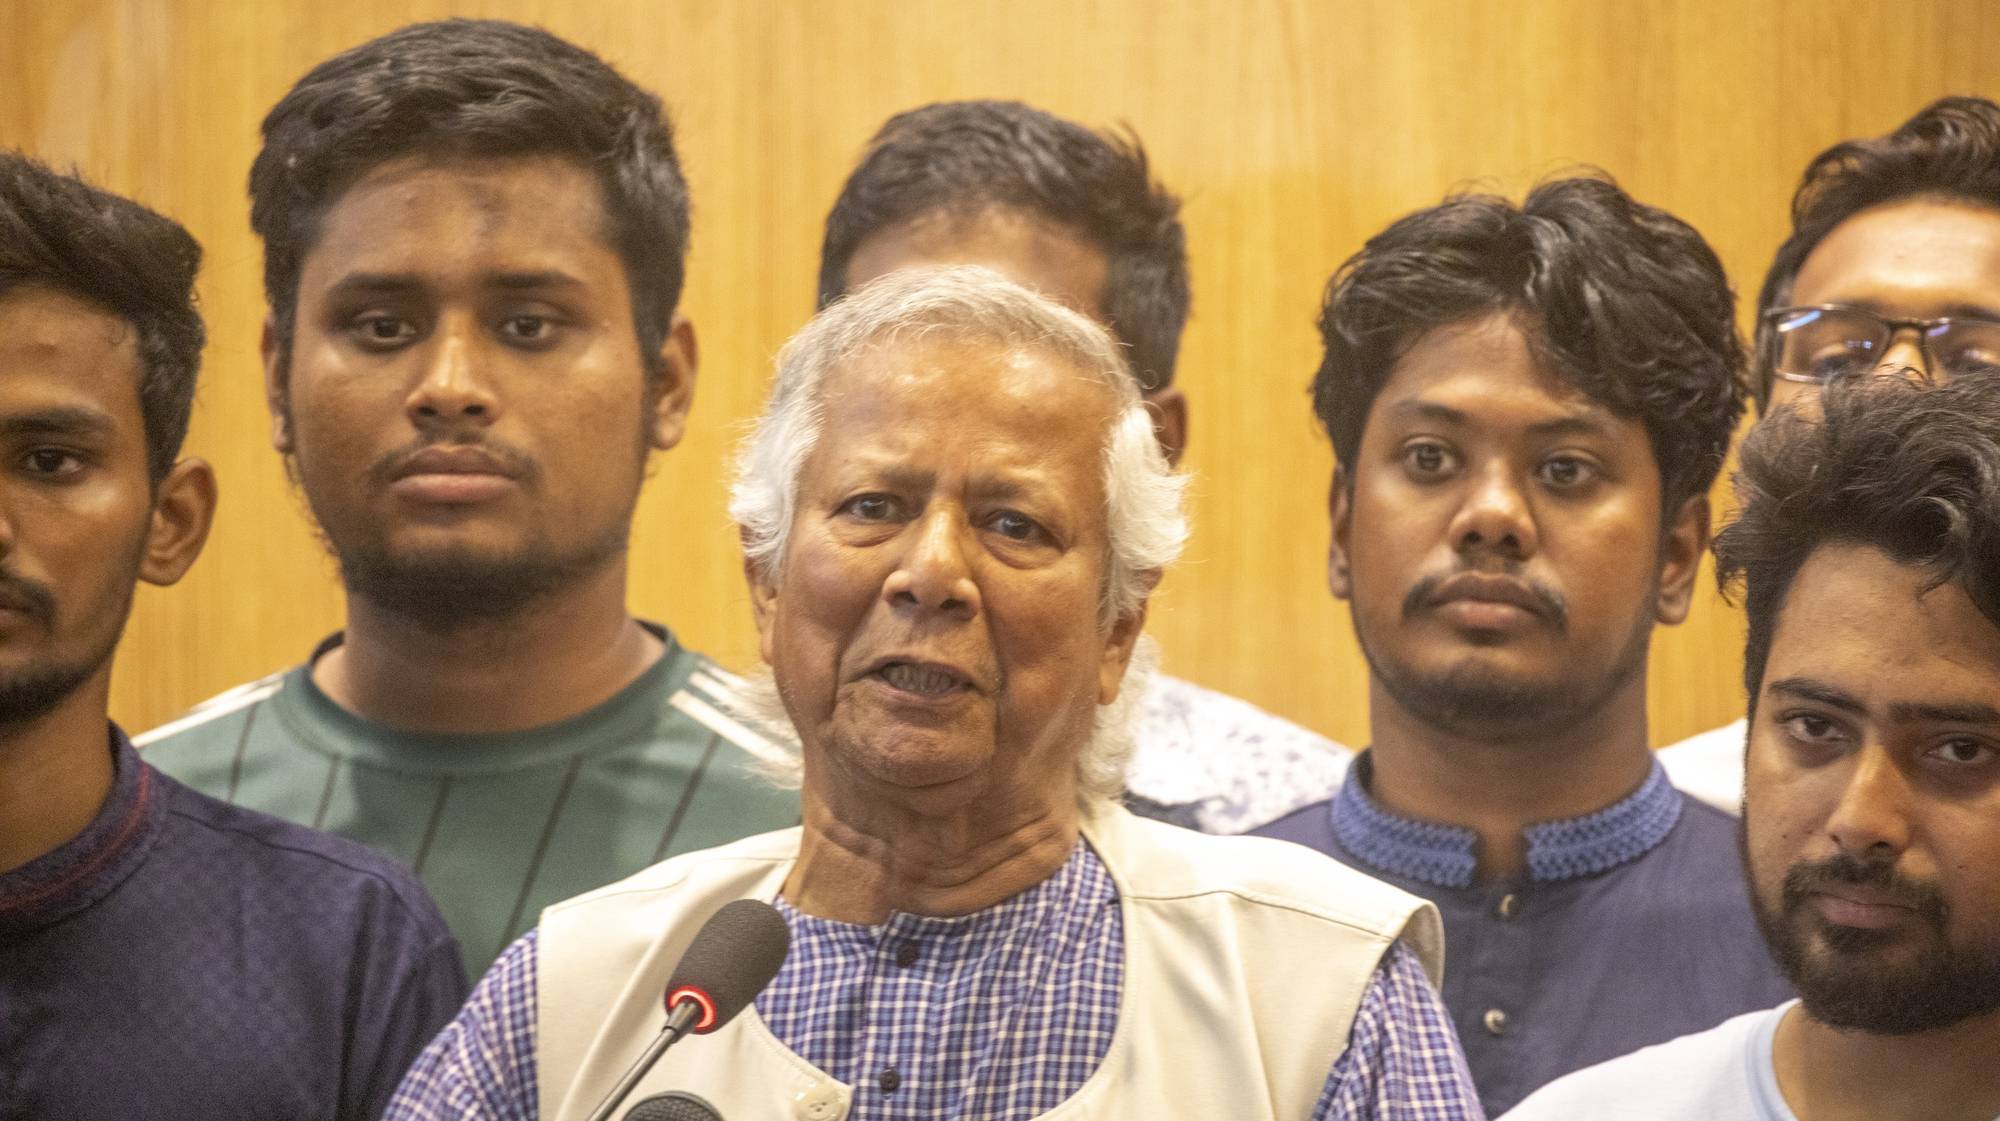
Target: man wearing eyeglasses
x: 1892, y: 268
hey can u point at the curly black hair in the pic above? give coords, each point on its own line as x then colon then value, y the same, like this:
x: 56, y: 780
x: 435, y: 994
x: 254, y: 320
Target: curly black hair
x: 963, y: 156
x: 478, y: 88
x: 1623, y: 301
x: 1949, y: 150
x: 1909, y: 467
x: 60, y: 232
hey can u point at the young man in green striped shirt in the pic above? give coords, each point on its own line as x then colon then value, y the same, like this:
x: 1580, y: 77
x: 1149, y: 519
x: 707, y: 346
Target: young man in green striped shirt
x: 474, y: 236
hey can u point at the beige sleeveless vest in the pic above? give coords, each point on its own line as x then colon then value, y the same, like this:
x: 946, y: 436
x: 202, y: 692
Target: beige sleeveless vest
x: 1245, y: 960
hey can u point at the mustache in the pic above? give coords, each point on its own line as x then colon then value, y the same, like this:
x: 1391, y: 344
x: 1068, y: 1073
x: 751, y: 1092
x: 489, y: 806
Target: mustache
x: 1550, y: 603
x: 515, y: 462
x: 1803, y: 880
x: 23, y: 594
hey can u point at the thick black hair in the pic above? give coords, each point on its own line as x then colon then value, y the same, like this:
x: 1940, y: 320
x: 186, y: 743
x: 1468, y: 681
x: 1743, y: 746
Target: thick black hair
x: 473, y: 88
x: 1908, y: 467
x: 1623, y: 301
x: 59, y: 232
x: 960, y: 157
x: 1949, y: 150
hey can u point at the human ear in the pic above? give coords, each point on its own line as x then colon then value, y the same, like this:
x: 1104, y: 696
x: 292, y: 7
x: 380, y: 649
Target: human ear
x: 183, y: 511
x: 1169, y: 410
x: 1340, y: 512
x: 276, y: 355
x: 1681, y: 550
x: 674, y: 385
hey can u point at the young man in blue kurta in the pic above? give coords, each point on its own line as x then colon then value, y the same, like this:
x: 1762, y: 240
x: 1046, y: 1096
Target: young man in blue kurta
x: 1528, y: 404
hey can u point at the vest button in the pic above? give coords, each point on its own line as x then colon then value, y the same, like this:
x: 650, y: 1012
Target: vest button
x: 906, y: 954
x: 822, y: 1101
x: 1495, y: 1021
x: 889, y: 1080
x: 1509, y: 906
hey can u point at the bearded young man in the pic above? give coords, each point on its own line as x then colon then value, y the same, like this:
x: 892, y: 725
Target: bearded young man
x: 474, y: 235
x: 953, y: 511
x: 1527, y: 405
x: 1868, y: 549
x: 162, y: 954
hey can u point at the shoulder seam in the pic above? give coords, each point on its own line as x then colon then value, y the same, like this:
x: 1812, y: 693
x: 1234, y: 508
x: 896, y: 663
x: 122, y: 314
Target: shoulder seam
x: 728, y: 728
x: 216, y: 707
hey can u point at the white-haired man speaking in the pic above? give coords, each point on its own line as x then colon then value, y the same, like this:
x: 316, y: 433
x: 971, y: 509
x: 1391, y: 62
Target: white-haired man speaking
x: 953, y: 511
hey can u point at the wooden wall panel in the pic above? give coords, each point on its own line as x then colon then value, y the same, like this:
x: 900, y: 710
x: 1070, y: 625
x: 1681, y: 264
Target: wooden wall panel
x: 1292, y: 129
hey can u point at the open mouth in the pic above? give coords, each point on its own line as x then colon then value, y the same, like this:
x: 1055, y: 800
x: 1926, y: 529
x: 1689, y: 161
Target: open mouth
x: 925, y: 681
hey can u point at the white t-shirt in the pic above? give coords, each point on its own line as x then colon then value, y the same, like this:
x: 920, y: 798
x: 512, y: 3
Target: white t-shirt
x: 1722, y: 1074
x: 1710, y: 766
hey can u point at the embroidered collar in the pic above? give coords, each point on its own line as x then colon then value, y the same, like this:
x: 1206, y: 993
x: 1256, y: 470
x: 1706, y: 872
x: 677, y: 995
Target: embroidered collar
x: 1445, y: 855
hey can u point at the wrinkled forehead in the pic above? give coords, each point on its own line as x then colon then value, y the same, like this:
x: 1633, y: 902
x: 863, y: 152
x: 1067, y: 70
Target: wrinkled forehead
x: 936, y: 405
x: 949, y: 359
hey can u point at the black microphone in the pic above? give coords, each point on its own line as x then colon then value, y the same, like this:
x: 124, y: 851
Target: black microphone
x: 675, y: 1105
x: 733, y: 956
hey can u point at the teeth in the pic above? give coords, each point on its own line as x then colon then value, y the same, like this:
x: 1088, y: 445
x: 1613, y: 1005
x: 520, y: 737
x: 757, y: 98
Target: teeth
x: 915, y: 679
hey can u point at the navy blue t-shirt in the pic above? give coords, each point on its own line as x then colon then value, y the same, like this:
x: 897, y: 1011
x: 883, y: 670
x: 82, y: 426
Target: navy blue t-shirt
x: 186, y: 958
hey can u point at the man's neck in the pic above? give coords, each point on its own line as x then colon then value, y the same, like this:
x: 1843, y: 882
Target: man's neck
x: 860, y: 859
x: 1830, y: 1074
x: 55, y: 772
x: 562, y: 655
x: 1499, y: 783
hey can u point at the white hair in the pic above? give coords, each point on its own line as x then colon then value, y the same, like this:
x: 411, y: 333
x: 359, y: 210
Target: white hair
x: 1145, y: 525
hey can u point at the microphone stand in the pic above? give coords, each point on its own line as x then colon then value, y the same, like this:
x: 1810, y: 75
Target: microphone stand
x: 678, y: 1020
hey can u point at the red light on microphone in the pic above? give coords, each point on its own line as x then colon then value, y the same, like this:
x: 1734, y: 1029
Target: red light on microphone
x: 689, y: 992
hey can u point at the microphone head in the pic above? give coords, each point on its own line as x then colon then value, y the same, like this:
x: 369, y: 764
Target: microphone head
x: 733, y: 956
x: 676, y: 1105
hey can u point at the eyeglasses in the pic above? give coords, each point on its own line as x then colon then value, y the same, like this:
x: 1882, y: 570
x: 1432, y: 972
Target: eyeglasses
x: 1818, y: 344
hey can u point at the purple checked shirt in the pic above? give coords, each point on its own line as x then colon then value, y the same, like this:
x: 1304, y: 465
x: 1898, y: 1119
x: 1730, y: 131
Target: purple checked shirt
x: 998, y: 1015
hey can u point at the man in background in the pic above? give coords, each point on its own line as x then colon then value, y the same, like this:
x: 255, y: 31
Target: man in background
x: 474, y: 238
x: 1869, y: 550
x: 1520, y: 496
x: 1075, y: 215
x: 165, y: 955
x: 1893, y: 266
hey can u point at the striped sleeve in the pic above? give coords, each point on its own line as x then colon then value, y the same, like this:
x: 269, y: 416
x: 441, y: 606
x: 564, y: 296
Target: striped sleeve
x: 481, y: 1067
x: 1403, y: 1061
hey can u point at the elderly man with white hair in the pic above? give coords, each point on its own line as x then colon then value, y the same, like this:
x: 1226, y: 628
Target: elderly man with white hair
x: 953, y: 510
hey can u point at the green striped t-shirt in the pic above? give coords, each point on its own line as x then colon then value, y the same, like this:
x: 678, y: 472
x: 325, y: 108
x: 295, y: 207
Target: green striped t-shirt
x: 497, y: 826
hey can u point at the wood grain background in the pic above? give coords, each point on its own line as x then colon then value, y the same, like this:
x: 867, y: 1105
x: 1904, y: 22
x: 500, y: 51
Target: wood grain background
x: 1292, y: 129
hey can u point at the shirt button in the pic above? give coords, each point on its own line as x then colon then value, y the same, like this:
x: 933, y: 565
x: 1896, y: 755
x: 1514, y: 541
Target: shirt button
x: 906, y: 954
x: 889, y: 1080
x: 1495, y: 1021
x: 1509, y: 906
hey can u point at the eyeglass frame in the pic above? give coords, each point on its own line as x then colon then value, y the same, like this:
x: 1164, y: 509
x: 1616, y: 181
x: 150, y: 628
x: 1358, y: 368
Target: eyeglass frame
x: 1923, y: 328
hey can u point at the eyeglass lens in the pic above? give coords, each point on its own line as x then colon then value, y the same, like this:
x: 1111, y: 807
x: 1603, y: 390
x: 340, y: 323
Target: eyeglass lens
x: 1823, y: 343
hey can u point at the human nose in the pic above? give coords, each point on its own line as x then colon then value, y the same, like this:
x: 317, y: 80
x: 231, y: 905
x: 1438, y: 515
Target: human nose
x: 1871, y: 821
x: 452, y: 388
x: 934, y: 573
x: 1905, y: 356
x: 1494, y: 515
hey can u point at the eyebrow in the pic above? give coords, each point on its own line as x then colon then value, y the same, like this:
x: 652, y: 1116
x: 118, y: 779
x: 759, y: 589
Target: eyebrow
x: 1969, y: 713
x: 1950, y: 311
x: 60, y: 420
x: 1575, y: 424
x: 400, y: 282
x: 1806, y: 689
x: 1908, y: 712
